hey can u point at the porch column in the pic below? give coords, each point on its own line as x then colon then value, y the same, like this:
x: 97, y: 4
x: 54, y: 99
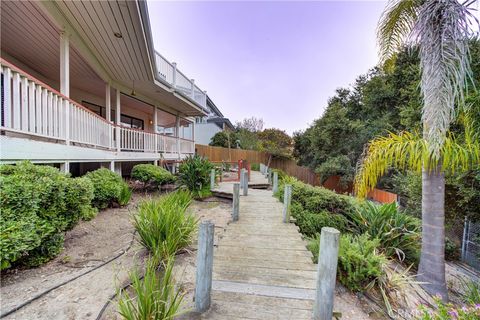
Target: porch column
x: 177, y: 129
x: 117, y: 118
x: 64, y: 64
x: 155, y: 123
x: 65, y: 82
x: 108, y: 112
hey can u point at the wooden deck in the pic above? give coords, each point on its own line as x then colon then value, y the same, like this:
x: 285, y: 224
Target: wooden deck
x: 261, y: 268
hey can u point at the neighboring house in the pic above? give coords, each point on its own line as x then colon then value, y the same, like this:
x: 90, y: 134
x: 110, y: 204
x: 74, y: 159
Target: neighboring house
x: 82, y: 86
x: 207, y: 126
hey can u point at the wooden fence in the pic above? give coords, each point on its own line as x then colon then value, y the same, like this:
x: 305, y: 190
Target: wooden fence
x: 307, y: 175
x: 218, y: 154
x: 382, y: 196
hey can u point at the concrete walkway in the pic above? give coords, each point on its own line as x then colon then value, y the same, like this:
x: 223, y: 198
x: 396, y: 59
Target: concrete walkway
x: 261, y: 267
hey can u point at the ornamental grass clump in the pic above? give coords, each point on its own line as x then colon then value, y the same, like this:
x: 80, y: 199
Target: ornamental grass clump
x: 153, y: 296
x: 164, y: 225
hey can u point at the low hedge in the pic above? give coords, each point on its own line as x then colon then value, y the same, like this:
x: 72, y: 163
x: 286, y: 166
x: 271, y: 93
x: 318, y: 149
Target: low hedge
x: 152, y: 175
x: 37, y: 204
x: 108, y: 188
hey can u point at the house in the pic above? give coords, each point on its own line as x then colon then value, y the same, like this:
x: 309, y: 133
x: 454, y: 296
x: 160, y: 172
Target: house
x: 83, y: 87
x: 207, y: 126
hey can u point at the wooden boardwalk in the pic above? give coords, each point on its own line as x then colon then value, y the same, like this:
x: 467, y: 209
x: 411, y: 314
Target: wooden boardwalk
x: 261, y: 267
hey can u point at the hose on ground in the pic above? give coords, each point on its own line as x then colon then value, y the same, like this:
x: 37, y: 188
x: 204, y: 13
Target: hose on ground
x: 38, y: 296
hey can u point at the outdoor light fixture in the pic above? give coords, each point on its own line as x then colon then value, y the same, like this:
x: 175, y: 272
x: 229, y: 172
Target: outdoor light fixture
x: 133, y: 93
x: 118, y: 35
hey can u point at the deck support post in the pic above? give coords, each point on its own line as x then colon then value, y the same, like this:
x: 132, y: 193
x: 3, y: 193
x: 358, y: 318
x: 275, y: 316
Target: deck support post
x: 245, y: 182
x: 108, y: 112
x: 212, y: 179
x: 275, y: 182
x: 287, y: 199
x: 326, y: 273
x: 203, y: 284
x: 65, y: 167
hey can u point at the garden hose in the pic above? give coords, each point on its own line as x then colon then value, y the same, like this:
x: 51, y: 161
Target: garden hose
x: 38, y: 296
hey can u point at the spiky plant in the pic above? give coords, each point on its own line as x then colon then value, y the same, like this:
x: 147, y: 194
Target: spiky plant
x: 441, y: 30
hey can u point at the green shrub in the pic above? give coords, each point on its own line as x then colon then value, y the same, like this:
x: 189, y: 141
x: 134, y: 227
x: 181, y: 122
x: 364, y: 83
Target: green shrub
x: 37, y: 204
x: 359, y: 261
x: 399, y: 233
x: 152, y: 175
x: 312, y: 223
x: 108, y: 188
x: 317, y: 199
x: 163, y: 224
x: 154, y: 297
x: 194, y: 174
x: 255, y: 167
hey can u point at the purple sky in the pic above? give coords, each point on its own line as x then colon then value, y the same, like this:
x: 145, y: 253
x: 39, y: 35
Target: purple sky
x: 279, y: 61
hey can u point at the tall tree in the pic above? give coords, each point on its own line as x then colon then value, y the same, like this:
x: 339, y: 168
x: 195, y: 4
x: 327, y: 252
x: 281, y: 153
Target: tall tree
x: 441, y: 30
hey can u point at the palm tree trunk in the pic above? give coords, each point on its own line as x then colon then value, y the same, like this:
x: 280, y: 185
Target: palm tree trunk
x: 431, y: 270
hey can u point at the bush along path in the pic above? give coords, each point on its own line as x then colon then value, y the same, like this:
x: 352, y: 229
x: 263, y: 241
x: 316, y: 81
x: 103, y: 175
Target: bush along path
x: 76, y: 284
x: 262, y: 268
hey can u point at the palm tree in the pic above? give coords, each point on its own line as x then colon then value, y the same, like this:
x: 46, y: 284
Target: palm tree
x: 441, y: 30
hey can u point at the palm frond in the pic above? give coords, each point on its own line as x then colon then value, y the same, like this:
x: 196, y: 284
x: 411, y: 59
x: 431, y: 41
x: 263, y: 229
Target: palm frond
x: 442, y: 31
x: 395, y: 26
x: 409, y: 151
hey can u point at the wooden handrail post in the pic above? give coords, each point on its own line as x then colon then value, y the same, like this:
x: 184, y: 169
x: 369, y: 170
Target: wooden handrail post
x: 275, y: 182
x: 326, y: 273
x: 287, y: 199
x: 203, y: 284
x: 245, y: 182
x: 212, y: 179
x: 241, y: 178
x: 236, y: 202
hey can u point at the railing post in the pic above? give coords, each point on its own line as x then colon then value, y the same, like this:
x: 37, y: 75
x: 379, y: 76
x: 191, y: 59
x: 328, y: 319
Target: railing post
x: 174, y: 76
x: 192, y: 89
x: 464, y: 238
x: 245, y: 182
x: 266, y: 172
x: 326, y: 273
x: 269, y: 176
x: 236, y: 201
x: 67, y: 121
x: 275, y: 182
x: 287, y: 198
x: 212, y: 179
x: 203, y: 285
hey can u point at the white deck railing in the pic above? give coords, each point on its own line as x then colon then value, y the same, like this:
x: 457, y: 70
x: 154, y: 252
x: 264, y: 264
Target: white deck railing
x: 168, y: 72
x: 30, y: 107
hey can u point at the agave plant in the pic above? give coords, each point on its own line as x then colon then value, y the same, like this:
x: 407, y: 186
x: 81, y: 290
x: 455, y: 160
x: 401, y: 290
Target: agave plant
x: 194, y: 174
x: 399, y: 233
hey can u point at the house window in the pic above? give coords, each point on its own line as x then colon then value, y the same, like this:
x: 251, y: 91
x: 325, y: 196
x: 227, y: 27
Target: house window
x: 127, y: 121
